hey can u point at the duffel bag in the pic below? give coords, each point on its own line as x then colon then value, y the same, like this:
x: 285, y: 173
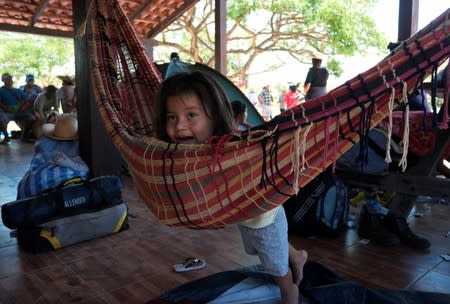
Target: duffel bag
x: 63, y: 231
x: 68, y: 200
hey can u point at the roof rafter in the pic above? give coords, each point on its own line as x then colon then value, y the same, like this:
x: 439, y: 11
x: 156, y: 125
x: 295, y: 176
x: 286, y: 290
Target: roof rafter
x: 39, y: 11
x: 141, y: 9
x: 55, y: 17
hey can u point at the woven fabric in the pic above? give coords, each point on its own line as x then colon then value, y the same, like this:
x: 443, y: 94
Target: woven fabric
x: 234, y: 178
x: 422, y: 136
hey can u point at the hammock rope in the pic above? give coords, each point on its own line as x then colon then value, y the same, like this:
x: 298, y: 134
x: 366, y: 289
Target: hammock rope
x: 239, y: 176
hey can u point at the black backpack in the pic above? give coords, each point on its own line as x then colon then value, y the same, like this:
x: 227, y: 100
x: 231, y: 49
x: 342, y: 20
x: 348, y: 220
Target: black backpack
x: 320, y: 208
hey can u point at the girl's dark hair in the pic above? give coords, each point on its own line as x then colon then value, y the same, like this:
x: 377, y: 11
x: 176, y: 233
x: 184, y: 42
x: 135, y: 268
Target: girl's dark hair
x: 214, y: 101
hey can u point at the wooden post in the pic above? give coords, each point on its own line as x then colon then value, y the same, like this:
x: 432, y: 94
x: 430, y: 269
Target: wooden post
x: 96, y: 147
x: 220, y: 56
x: 408, y: 16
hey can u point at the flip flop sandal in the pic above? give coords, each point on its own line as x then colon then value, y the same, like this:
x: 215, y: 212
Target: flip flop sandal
x: 191, y: 263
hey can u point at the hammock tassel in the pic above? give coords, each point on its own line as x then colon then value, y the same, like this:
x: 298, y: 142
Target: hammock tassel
x: 296, y: 160
x: 403, y: 162
x: 388, y: 158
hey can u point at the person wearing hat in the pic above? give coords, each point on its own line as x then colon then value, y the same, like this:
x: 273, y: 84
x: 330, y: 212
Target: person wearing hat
x: 316, y: 80
x: 30, y: 89
x: 66, y: 96
x: 56, y: 158
x: 12, y: 107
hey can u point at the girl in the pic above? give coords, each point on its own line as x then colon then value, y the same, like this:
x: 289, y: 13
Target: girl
x: 191, y: 109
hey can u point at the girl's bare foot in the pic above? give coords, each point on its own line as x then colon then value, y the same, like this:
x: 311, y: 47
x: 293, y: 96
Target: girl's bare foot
x: 297, y: 259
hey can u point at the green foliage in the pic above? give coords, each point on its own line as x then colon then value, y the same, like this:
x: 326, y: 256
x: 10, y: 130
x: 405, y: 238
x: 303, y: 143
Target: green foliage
x: 45, y: 57
x: 297, y: 28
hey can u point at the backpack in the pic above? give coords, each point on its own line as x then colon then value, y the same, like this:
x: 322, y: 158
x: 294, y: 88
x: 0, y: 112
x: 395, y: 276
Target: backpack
x: 320, y: 208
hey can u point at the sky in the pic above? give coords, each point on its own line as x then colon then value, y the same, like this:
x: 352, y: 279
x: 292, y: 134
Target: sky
x: 386, y: 17
x: 388, y: 9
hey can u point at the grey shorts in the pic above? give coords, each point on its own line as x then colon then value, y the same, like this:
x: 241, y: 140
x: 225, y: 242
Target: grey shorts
x: 270, y: 243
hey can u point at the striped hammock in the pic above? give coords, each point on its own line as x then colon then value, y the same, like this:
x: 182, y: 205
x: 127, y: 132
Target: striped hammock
x: 237, y: 177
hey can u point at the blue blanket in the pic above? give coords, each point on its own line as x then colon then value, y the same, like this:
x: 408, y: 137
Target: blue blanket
x: 320, y: 285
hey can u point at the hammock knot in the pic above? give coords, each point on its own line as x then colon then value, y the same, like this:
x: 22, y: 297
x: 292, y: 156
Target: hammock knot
x: 258, y: 135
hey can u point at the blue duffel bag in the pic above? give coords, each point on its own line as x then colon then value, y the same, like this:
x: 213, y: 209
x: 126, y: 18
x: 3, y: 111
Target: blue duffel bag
x: 68, y: 200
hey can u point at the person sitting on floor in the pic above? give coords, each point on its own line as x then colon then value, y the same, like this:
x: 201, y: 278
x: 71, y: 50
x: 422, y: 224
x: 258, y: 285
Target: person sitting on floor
x: 45, y: 103
x: 13, y: 107
x: 30, y: 89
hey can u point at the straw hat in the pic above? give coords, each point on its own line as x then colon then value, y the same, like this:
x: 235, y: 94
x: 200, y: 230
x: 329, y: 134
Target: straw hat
x: 67, y: 78
x: 65, y: 128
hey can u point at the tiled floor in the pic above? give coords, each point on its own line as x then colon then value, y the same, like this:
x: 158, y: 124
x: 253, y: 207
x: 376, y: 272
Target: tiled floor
x: 135, y: 265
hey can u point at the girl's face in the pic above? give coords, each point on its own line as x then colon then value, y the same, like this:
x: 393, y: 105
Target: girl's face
x: 186, y: 121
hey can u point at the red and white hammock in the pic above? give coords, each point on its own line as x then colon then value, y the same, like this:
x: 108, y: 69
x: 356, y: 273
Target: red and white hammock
x: 238, y: 177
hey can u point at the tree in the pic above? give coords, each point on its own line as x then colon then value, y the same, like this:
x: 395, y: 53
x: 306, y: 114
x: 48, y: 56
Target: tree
x: 297, y: 28
x: 39, y: 55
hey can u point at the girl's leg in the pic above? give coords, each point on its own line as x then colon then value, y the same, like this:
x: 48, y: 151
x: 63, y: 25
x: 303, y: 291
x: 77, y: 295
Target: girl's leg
x: 297, y: 259
x: 289, y: 290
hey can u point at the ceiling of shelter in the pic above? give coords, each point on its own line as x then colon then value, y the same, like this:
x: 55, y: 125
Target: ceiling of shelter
x: 54, y: 17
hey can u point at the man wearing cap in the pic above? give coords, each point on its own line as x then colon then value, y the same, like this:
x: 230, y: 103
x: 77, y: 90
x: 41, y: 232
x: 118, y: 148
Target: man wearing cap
x: 12, y: 107
x: 30, y: 89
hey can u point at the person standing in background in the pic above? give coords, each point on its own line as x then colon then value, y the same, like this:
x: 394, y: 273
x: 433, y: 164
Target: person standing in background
x: 282, y: 102
x: 265, y: 100
x: 291, y: 96
x: 316, y: 80
x: 252, y: 96
x: 66, y: 96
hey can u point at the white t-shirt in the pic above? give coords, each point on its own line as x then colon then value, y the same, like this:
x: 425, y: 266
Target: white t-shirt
x: 253, y: 97
x: 43, y: 105
x: 261, y: 221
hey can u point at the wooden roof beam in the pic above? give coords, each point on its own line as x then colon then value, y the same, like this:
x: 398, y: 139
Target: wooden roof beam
x: 39, y: 10
x: 141, y: 9
x: 167, y: 21
x: 36, y: 31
